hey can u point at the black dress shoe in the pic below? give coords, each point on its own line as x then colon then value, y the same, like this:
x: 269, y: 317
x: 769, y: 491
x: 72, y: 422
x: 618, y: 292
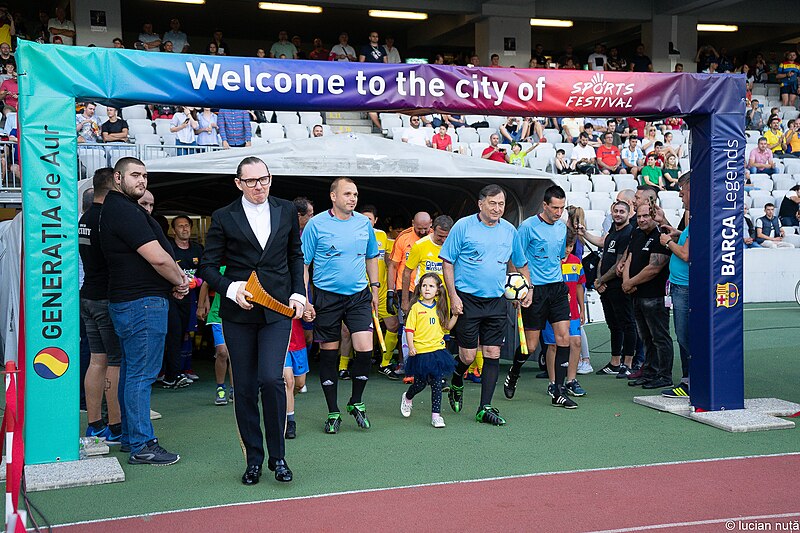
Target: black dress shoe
x: 660, y: 383
x: 251, y: 475
x: 291, y: 429
x: 638, y: 382
x: 281, y: 469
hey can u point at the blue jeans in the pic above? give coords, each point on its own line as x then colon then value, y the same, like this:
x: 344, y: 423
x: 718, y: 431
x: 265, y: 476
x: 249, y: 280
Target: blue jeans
x: 790, y: 221
x: 680, y: 317
x: 767, y: 171
x: 141, y: 326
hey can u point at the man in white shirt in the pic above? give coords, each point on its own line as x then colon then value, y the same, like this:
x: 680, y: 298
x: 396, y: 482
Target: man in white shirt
x: 597, y: 60
x: 150, y: 40
x: 584, y: 158
x: 416, y: 134
x: 180, y: 42
x: 343, y: 51
x: 392, y: 55
x: 62, y: 27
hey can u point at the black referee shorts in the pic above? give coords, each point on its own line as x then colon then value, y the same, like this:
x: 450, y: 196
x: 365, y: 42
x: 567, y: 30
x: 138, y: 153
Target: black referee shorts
x: 484, y: 319
x: 355, y: 310
x: 550, y: 304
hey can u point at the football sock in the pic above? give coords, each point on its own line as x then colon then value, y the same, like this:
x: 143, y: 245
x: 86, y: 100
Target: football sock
x: 562, y: 357
x: 390, y: 339
x: 458, y: 375
x: 519, y: 360
x: 328, y: 377
x: 491, y: 368
x: 360, y: 374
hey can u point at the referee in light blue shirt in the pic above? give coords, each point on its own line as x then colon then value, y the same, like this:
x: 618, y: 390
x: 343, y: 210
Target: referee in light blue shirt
x: 476, y: 256
x: 343, y: 248
x: 544, y: 237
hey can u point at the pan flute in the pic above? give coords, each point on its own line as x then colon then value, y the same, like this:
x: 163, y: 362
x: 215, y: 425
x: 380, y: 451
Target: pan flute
x: 262, y: 297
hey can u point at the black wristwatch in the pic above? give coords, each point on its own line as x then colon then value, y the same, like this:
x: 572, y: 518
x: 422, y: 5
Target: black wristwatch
x: 375, y: 284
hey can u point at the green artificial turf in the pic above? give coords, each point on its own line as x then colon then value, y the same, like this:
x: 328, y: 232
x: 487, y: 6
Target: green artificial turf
x: 607, y: 429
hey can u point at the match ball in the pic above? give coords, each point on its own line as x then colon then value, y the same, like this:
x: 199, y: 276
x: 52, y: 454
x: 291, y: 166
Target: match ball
x: 516, y: 286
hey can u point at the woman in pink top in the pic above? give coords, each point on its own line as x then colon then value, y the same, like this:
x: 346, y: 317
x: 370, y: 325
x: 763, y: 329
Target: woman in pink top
x: 9, y: 90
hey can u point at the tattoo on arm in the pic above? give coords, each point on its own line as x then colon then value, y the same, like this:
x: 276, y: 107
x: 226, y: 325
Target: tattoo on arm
x: 658, y: 260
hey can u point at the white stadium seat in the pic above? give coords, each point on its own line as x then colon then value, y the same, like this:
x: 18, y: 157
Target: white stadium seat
x: 600, y: 200
x: 296, y: 132
x: 271, y: 131
x: 286, y: 117
x: 134, y: 111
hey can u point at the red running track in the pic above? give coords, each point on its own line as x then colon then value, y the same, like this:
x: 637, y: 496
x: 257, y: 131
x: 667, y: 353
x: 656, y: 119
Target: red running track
x: 694, y: 496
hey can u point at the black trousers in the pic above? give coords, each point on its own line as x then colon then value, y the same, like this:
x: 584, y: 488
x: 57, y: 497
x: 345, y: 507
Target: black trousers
x: 177, y: 326
x: 257, y: 353
x: 618, y: 310
x: 652, y: 321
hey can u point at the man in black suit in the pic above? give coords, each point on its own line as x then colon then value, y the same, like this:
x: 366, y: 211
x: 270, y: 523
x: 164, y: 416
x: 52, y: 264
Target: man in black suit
x: 257, y: 233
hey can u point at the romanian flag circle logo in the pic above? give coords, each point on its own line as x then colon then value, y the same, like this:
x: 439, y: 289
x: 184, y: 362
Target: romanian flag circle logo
x: 51, y: 363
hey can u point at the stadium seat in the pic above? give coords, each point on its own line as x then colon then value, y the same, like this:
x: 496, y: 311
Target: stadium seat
x: 759, y: 200
x: 625, y: 181
x: 594, y: 220
x: 92, y: 159
x: 762, y: 182
x: 279, y: 140
x: 778, y: 195
x: 752, y: 137
x: 580, y: 186
x: 567, y: 147
x: 286, y: 117
x: 670, y: 202
x: 545, y: 154
x: 101, y: 112
x: 461, y: 148
x: 477, y: 148
x: 485, y: 134
x: 495, y: 121
x: 578, y: 201
x: 468, y: 135
x: 258, y: 140
x: 600, y: 200
x: 603, y: 183
x: 756, y: 213
x: 783, y: 181
x: 310, y: 118
x: 677, y: 137
x: 552, y: 136
x: 253, y: 128
x: 169, y: 139
x: 134, y: 111
x: 474, y: 119
x: 792, y: 239
x: 562, y: 182
x: 148, y: 138
x: 536, y: 163
x: 791, y: 166
x: 271, y: 131
x: 389, y: 121
x: 118, y: 152
x: 296, y: 132
x: 162, y: 126
x: 397, y: 134
x: 138, y: 126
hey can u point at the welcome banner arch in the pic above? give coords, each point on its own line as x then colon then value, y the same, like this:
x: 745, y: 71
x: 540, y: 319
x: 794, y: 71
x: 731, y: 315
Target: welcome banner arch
x: 52, y: 77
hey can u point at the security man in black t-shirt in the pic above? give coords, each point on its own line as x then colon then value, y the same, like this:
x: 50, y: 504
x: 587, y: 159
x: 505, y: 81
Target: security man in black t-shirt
x: 645, y: 277
x: 142, y: 274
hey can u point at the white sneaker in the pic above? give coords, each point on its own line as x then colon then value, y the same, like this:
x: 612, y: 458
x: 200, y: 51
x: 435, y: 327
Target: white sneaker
x: 304, y: 389
x: 406, y: 405
x: 585, y: 367
x: 437, y: 421
x: 154, y: 415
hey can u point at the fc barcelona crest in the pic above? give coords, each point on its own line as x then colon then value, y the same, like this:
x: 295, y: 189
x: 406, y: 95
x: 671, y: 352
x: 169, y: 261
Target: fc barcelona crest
x: 727, y: 294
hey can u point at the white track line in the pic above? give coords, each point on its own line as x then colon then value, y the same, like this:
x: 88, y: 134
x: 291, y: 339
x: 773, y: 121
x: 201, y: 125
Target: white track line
x: 728, y: 521
x: 434, y: 484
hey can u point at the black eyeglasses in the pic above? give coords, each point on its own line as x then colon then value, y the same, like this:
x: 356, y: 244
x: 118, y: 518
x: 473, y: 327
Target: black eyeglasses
x: 251, y: 183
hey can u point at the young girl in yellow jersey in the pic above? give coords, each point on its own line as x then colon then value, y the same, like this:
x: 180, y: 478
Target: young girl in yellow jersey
x: 428, y: 360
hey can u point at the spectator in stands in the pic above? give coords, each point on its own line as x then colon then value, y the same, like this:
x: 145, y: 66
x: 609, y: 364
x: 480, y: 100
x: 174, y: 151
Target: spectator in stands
x: 755, y: 118
x: 640, y: 62
x: 588, y: 129
x: 148, y: 202
x: 234, y: 128
x: 150, y: 39
x: 670, y: 148
x: 117, y: 43
x: 319, y: 53
x: 514, y: 129
x: 538, y: 56
x: 222, y: 47
x: 706, y: 55
x: 183, y: 124
x: 567, y: 56
x: 609, y: 160
x: 442, y: 141
x: 749, y: 234
x: 792, y: 138
x: 342, y: 51
x: 724, y: 64
x: 168, y: 47
x: 671, y: 171
x: 597, y: 60
x: 637, y: 126
x: 769, y: 232
x: 494, y: 151
x: 561, y: 165
x: 213, y: 50
x: 789, y: 208
x: 474, y: 61
x: 678, y: 68
x: 373, y: 52
x: 651, y: 174
x: 761, y: 69
x: 517, y: 155
x: 298, y: 43
x: 438, y: 59
x: 761, y: 160
x: 180, y: 41
x: 6, y: 56
x: 317, y: 131
x: 584, y: 158
x: 648, y: 143
x: 392, y: 54
x: 88, y: 127
x: 114, y: 129
x: 260, y: 53
x: 207, y: 128
x: 615, y: 61
x: 415, y: 134
x: 571, y: 128
x: 494, y: 61
x: 41, y: 32
x: 283, y: 47
x: 61, y: 27
x: 9, y: 88
x: 787, y: 76
x: 632, y: 156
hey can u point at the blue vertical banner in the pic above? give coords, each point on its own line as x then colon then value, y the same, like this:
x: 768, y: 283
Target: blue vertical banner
x: 50, y: 210
x: 716, y: 254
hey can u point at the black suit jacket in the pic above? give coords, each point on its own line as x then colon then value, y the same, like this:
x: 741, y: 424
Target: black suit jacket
x: 231, y: 241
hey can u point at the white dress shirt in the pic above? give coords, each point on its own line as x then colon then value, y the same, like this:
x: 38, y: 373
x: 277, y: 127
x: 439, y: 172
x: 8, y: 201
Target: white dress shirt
x: 260, y: 220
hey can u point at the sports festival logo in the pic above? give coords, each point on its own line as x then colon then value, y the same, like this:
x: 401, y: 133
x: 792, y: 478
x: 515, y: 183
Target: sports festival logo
x: 51, y: 363
x: 598, y: 93
x: 727, y: 295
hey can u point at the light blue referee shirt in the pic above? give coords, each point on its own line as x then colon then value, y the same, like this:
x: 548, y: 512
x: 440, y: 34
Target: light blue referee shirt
x: 544, y: 245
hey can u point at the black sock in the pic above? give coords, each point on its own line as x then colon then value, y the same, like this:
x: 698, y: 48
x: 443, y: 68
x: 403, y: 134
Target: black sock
x: 359, y: 372
x: 491, y: 368
x: 116, y: 429
x: 329, y: 377
x: 519, y: 360
x: 97, y: 424
x: 562, y: 358
x: 458, y: 375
